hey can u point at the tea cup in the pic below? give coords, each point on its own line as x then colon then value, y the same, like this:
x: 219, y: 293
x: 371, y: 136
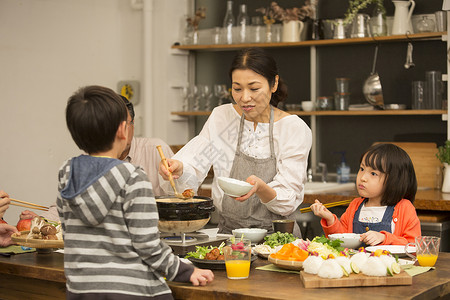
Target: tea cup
x: 427, y: 250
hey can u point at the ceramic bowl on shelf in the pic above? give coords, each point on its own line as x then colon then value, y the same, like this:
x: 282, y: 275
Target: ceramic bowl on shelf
x: 234, y: 187
x: 307, y: 105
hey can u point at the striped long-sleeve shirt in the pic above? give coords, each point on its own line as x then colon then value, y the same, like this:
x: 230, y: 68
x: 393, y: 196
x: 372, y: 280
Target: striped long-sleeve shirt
x: 110, y: 226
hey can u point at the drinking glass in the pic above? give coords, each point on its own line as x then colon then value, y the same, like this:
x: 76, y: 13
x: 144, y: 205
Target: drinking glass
x: 237, y: 255
x: 185, y: 93
x: 195, y: 96
x: 220, y: 91
x: 427, y: 250
x: 207, y: 96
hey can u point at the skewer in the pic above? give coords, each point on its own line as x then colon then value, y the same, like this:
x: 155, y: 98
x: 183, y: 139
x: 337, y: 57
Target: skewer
x: 332, y: 204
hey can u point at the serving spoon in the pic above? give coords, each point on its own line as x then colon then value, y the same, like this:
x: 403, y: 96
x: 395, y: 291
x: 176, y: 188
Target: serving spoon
x: 172, y: 182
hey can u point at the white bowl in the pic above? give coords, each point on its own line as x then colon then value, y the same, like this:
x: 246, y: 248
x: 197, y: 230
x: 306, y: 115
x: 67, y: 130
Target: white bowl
x: 255, y: 235
x: 307, y: 105
x: 234, y: 187
x: 350, y: 240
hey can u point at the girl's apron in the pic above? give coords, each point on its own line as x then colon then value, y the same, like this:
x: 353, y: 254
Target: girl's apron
x: 250, y: 213
x: 362, y: 227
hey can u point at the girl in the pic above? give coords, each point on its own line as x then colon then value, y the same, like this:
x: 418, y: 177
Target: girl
x: 384, y: 214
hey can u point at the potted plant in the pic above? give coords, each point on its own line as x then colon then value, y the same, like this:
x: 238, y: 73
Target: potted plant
x: 444, y: 156
x: 379, y: 14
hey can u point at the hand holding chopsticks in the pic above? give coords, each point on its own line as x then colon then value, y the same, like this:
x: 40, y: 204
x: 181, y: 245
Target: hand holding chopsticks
x: 27, y: 204
x: 332, y: 204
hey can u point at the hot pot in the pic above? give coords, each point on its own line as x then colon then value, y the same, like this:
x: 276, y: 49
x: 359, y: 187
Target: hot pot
x: 178, y: 216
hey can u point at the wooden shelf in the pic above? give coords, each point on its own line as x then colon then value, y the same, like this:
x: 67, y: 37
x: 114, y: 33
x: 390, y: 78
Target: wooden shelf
x: 330, y: 42
x: 406, y: 112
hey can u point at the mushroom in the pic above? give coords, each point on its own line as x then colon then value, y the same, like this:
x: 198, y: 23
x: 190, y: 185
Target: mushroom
x: 48, y: 230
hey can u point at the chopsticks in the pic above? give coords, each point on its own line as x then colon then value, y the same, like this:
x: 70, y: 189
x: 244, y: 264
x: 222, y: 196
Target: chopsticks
x: 331, y: 204
x: 27, y: 204
x: 163, y: 158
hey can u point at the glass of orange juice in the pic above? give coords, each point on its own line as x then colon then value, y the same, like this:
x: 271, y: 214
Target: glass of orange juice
x: 237, y: 255
x: 427, y: 250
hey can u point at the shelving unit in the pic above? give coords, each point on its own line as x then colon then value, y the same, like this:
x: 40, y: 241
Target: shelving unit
x: 314, y: 76
x: 392, y: 38
x: 404, y: 112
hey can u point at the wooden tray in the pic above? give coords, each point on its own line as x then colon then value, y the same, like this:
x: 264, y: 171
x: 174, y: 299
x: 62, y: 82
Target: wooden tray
x: 354, y: 280
x: 22, y: 240
x: 286, y: 264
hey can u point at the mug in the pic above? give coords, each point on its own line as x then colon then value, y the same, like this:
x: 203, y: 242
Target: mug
x: 427, y: 250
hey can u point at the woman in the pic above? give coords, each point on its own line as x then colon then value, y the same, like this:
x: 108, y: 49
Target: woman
x: 252, y: 141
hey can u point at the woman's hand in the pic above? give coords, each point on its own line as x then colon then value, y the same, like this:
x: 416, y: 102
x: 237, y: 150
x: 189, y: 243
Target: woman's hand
x: 260, y: 188
x: 175, y: 166
x: 321, y: 211
x: 372, y: 238
x: 4, y: 202
x: 5, y: 234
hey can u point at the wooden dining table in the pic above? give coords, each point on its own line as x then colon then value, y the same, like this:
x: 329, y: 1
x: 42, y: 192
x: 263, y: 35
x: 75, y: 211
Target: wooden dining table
x: 41, y: 276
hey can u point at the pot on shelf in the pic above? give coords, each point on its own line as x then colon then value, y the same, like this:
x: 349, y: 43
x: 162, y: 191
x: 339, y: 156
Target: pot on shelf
x: 179, y: 216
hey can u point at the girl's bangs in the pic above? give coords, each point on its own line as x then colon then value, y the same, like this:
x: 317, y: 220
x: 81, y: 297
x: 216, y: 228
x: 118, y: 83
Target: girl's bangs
x: 374, y: 159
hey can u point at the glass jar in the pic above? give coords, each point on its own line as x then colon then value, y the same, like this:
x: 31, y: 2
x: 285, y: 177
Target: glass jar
x: 425, y: 25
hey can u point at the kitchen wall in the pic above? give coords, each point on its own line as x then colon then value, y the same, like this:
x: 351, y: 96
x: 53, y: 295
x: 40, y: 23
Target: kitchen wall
x: 50, y: 48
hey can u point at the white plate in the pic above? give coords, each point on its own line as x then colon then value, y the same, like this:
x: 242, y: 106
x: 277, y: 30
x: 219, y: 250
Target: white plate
x: 394, y: 249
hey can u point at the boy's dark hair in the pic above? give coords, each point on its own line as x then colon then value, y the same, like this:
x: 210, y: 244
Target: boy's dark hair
x: 400, y: 181
x: 93, y: 115
x: 130, y: 107
x: 259, y: 61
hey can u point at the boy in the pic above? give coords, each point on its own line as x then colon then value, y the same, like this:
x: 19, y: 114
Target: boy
x: 108, y: 211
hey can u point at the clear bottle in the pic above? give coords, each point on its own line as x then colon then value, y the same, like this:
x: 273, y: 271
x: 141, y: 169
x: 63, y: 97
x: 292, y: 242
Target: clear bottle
x: 228, y: 22
x: 243, y: 21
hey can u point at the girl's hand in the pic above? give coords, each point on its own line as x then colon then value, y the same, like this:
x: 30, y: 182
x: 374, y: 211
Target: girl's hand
x: 201, y: 277
x: 175, y: 166
x: 321, y: 211
x: 372, y: 238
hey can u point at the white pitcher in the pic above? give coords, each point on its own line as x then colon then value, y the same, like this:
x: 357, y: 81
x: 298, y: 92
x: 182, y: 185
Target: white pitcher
x: 292, y: 31
x: 402, y: 17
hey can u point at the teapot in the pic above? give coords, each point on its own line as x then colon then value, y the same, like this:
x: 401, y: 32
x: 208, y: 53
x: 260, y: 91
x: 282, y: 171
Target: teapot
x: 402, y: 17
x: 292, y: 31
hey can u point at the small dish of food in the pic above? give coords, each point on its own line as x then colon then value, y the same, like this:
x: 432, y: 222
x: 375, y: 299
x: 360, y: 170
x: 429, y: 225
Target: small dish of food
x: 233, y: 187
x: 263, y: 250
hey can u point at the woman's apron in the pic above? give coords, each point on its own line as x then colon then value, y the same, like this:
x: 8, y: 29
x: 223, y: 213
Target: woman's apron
x: 362, y: 227
x: 250, y: 213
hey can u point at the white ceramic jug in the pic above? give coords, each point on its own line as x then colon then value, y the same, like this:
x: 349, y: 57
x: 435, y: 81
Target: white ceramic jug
x: 292, y: 31
x: 402, y: 17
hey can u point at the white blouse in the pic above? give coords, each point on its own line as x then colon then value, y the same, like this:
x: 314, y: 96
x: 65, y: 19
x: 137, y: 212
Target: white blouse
x: 216, y: 145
